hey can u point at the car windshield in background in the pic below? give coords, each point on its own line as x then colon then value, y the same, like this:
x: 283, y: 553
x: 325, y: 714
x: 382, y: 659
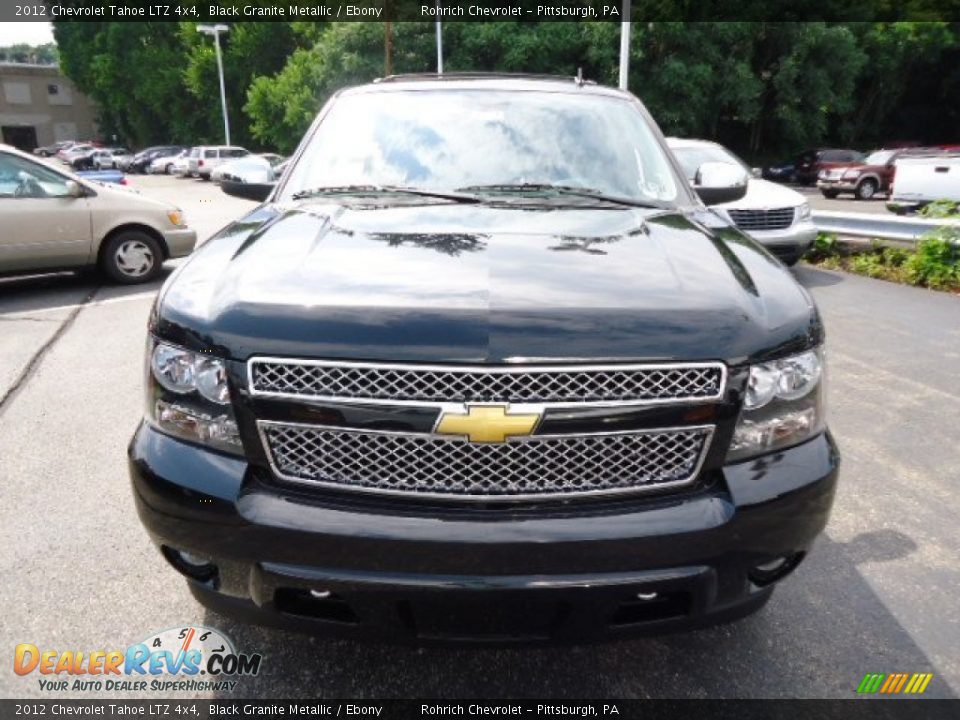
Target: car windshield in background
x: 693, y: 156
x: 445, y: 140
x: 880, y: 157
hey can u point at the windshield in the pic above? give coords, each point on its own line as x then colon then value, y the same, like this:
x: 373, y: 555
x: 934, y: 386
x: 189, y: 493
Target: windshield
x: 692, y: 157
x: 879, y: 157
x: 444, y: 140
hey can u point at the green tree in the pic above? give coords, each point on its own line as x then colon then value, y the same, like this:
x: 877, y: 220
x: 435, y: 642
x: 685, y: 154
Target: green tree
x: 34, y: 54
x: 135, y: 73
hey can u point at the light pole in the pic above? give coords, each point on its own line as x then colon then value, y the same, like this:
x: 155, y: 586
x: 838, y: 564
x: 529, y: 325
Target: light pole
x: 439, y: 42
x: 625, y: 45
x: 215, y: 30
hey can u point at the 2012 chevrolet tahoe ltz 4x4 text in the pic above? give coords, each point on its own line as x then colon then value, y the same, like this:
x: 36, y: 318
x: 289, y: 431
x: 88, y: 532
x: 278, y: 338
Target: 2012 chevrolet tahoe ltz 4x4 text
x: 485, y: 367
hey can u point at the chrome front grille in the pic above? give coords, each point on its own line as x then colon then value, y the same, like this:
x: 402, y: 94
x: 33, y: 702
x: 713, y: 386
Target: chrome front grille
x: 534, y: 467
x: 557, y: 384
x: 777, y: 219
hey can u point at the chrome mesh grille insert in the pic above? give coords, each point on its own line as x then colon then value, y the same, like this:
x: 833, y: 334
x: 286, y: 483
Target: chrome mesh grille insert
x: 777, y: 219
x: 439, y: 467
x: 514, y: 384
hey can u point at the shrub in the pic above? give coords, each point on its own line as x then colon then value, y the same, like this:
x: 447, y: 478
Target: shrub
x: 940, y: 209
x: 936, y: 262
x: 824, y: 246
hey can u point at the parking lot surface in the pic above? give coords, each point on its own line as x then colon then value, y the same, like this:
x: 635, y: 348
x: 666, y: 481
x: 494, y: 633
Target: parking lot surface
x: 877, y: 594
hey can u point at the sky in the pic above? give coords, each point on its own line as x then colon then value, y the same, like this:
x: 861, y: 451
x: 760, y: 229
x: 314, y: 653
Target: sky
x: 32, y: 33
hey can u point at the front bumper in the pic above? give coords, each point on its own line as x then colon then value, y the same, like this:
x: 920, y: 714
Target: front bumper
x: 412, y: 573
x: 789, y: 244
x: 837, y: 185
x: 180, y: 242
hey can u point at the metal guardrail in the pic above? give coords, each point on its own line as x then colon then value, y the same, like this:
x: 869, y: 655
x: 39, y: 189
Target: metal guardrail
x: 869, y: 225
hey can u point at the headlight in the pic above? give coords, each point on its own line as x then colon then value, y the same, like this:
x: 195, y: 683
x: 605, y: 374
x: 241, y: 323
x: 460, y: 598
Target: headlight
x: 783, y: 405
x: 803, y: 212
x: 188, y: 396
x: 176, y: 217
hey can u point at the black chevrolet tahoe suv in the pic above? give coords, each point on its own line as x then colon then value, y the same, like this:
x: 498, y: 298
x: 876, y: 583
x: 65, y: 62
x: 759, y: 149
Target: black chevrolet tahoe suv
x: 484, y: 367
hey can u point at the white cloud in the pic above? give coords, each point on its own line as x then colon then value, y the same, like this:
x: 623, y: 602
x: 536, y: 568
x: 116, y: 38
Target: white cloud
x: 32, y: 33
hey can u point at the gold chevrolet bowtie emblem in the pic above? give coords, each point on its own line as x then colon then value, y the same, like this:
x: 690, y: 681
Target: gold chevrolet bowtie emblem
x: 487, y: 423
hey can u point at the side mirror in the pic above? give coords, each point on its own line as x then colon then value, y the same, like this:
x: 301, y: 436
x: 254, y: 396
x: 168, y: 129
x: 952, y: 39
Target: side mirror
x: 75, y: 189
x: 249, y: 191
x: 718, y: 182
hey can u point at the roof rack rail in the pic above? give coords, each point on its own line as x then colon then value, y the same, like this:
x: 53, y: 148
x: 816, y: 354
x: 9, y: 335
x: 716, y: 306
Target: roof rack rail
x: 412, y: 77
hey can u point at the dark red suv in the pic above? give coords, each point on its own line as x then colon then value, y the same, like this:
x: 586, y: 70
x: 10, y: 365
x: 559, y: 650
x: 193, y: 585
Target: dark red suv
x: 872, y: 175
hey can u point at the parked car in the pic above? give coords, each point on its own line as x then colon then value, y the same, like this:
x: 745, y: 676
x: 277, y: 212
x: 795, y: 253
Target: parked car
x: 808, y: 164
x: 64, y: 221
x: 785, y: 173
x: 922, y: 180
x: 257, y: 168
x: 71, y: 153
x: 208, y: 157
x: 141, y: 161
x: 483, y: 366
x: 865, y: 178
x: 775, y: 216
x: 110, y: 158
x: 48, y: 150
x: 165, y: 164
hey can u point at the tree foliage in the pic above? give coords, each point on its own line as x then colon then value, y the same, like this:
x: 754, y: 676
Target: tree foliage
x: 156, y: 82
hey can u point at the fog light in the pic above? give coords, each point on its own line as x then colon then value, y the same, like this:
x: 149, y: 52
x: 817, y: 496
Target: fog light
x: 194, y: 566
x: 773, y: 570
x: 195, y: 560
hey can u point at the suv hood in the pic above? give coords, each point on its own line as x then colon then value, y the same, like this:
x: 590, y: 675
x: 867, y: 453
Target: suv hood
x: 484, y: 284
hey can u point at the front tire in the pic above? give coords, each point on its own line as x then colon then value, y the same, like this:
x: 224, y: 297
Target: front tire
x: 131, y: 257
x: 866, y: 189
x: 830, y: 194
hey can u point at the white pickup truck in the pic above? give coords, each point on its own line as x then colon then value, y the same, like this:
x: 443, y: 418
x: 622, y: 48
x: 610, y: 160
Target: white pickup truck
x: 922, y: 180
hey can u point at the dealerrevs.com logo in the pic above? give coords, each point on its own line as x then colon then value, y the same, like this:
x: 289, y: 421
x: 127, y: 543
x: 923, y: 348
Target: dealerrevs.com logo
x: 191, y: 658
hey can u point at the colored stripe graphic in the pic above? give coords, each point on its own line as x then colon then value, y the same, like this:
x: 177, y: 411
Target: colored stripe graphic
x: 894, y: 683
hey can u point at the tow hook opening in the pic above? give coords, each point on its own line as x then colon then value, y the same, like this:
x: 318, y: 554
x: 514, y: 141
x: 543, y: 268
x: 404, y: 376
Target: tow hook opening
x: 652, y: 606
x: 318, y: 603
x: 771, y: 571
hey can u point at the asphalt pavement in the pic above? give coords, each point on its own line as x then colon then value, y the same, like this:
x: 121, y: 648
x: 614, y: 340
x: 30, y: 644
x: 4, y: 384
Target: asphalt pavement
x: 877, y: 594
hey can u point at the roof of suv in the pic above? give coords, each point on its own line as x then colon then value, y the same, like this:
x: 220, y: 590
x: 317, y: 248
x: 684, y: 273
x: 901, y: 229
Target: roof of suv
x: 486, y: 81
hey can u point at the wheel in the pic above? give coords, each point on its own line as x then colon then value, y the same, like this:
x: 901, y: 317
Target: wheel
x: 866, y: 189
x: 131, y: 257
x: 830, y: 194
x: 168, y: 169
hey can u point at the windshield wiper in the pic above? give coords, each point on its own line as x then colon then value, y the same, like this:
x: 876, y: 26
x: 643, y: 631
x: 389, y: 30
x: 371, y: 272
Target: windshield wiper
x: 382, y: 190
x: 568, y: 190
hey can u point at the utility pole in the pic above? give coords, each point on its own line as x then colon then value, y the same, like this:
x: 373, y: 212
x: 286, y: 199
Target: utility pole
x: 215, y: 30
x: 625, y: 45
